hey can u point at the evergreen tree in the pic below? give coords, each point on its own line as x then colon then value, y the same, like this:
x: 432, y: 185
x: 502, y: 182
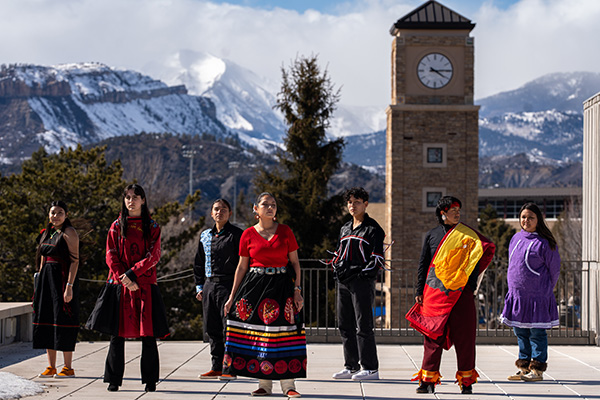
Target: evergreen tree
x: 496, y: 230
x: 307, y: 100
x: 86, y: 182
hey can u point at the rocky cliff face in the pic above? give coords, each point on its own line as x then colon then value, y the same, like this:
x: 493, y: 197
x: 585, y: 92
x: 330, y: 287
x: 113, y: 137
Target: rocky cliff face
x: 61, y: 106
x: 13, y: 87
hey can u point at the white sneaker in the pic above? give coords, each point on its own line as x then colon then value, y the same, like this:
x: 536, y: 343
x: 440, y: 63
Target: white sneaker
x: 365, y: 374
x: 344, y: 374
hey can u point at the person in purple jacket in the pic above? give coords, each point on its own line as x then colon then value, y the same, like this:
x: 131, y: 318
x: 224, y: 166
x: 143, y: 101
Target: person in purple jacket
x: 530, y: 307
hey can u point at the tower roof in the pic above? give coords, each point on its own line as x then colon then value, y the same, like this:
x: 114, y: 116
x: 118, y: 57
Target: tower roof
x: 432, y: 15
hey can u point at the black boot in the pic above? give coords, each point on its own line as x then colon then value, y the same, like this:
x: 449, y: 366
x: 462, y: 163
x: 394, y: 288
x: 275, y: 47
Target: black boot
x: 426, y: 387
x: 112, y: 388
x: 467, y: 389
x: 151, y: 387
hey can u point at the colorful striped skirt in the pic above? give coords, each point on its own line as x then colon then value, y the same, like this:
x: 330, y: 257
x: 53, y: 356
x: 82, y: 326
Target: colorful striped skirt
x: 265, y: 335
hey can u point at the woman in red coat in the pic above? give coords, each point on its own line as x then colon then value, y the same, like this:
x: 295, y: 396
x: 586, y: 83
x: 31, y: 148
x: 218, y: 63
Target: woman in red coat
x: 132, y: 253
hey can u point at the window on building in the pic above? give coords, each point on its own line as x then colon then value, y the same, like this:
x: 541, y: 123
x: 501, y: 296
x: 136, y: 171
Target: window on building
x: 509, y: 208
x: 431, y: 196
x: 434, y: 155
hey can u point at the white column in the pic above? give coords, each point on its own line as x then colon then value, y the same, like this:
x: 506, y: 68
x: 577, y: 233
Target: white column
x: 591, y: 217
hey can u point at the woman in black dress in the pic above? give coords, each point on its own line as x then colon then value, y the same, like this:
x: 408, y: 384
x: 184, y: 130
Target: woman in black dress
x: 56, y: 293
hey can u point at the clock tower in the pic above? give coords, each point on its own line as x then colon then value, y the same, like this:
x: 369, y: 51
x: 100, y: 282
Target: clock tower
x: 432, y: 138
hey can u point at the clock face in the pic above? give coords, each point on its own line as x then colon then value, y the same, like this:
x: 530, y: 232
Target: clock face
x: 435, y: 70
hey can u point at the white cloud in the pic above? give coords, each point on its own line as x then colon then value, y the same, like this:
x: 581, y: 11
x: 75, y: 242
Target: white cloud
x: 533, y: 38
x: 523, y: 42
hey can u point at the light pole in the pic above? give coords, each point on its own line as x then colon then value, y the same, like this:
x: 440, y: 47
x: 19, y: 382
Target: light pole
x: 234, y: 165
x: 189, y: 151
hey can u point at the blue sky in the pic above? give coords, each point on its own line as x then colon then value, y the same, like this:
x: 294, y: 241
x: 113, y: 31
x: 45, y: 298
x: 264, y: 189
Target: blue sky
x: 337, y: 7
x: 516, y: 41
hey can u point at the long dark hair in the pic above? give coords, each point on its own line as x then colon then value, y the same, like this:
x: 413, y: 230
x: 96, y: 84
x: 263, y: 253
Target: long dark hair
x: 137, y: 189
x: 541, y: 227
x: 49, y: 228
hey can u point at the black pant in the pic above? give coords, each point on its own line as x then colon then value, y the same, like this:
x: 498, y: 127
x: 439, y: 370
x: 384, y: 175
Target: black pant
x: 114, y: 368
x: 355, y: 301
x: 214, y: 297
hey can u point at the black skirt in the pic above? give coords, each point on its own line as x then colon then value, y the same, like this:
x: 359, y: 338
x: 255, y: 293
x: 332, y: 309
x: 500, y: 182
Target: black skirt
x: 265, y: 335
x: 55, y: 323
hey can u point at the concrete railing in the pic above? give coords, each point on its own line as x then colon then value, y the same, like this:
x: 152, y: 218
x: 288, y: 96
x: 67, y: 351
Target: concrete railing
x: 16, y: 322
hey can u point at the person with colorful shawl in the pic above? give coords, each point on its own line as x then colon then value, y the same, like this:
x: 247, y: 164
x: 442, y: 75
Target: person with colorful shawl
x: 452, y: 259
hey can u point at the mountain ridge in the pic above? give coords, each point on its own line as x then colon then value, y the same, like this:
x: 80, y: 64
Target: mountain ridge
x: 64, y: 105
x: 198, y: 93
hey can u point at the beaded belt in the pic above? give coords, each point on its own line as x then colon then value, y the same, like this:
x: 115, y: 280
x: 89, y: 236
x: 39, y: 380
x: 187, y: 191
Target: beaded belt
x: 268, y: 270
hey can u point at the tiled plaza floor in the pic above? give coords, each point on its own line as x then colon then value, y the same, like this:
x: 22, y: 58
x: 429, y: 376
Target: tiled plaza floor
x: 573, y: 373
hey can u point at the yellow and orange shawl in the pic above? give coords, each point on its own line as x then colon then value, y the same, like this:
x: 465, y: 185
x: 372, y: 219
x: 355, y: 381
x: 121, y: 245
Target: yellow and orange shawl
x: 455, y: 259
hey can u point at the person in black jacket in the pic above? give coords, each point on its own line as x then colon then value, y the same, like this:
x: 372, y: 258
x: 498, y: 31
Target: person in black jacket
x: 214, y: 269
x: 357, y: 261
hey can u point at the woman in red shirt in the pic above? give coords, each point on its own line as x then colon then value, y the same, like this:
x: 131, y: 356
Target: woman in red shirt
x: 265, y: 336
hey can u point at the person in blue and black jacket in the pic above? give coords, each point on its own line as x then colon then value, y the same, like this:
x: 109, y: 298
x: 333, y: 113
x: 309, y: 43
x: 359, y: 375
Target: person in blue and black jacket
x: 214, y: 268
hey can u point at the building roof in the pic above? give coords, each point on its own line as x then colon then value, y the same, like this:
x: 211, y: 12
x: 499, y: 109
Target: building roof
x: 522, y: 193
x: 432, y: 15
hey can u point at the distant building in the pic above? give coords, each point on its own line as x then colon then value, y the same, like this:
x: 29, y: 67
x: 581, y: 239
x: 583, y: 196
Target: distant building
x: 508, y: 201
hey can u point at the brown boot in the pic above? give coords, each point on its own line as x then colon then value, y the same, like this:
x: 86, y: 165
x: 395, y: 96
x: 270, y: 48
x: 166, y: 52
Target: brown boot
x: 537, y: 371
x: 523, y: 366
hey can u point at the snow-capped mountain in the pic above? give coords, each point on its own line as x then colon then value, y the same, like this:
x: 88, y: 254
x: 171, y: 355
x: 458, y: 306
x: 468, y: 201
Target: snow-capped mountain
x: 245, y: 102
x: 199, y: 93
x: 543, y: 119
x: 546, y: 137
x: 559, y: 91
x: 190, y: 92
x: 61, y: 106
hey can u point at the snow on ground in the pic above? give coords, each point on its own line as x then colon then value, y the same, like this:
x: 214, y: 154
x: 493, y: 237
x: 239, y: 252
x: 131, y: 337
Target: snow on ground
x: 16, y: 387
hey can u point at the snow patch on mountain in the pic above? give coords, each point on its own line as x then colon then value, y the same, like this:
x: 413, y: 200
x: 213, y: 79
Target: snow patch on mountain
x: 246, y: 102
x: 88, y: 79
x: 563, y: 91
x: 243, y: 100
x: 86, y: 103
